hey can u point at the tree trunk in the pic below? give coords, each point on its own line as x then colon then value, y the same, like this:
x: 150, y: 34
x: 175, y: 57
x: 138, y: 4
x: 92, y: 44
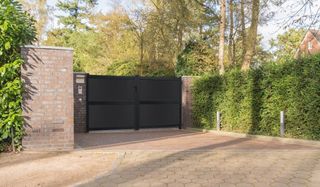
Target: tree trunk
x: 76, y: 15
x: 180, y: 38
x: 222, y: 31
x: 243, y: 30
x: 230, y: 48
x: 252, y: 37
x: 141, y: 53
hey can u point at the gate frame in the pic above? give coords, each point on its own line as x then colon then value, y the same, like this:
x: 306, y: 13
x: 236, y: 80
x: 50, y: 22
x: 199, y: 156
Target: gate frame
x: 137, y: 99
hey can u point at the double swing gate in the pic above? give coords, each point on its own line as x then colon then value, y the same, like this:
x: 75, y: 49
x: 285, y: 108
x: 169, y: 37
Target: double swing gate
x: 133, y: 102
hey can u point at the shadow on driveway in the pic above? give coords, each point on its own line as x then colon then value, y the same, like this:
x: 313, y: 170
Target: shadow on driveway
x: 209, y: 159
x: 173, y: 140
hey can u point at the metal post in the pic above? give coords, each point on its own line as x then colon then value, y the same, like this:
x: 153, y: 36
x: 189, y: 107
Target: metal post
x: 87, y: 102
x: 12, y: 140
x: 180, y: 103
x: 137, y: 103
x: 210, y: 119
x: 218, y: 121
x: 282, y: 124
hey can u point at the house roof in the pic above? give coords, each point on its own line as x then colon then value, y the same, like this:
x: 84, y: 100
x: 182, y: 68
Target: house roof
x: 316, y: 34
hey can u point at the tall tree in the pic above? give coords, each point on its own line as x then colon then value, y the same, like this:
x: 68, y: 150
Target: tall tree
x: 222, y: 32
x: 243, y: 29
x: 42, y: 18
x: 252, y: 35
x: 75, y: 19
x: 285, y: 45
x: 138, y: 24
x: 231, y: 47
x: 39, y: 10
x: 77, y: 12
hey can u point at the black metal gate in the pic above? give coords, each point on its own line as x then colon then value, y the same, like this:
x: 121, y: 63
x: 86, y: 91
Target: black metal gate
x: 133, y: 102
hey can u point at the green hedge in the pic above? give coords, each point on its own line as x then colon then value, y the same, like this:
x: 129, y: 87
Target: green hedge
x: 16, y: 29
x: 251, y: 102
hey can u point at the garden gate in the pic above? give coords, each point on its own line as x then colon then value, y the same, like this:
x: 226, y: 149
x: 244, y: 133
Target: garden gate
x: 119, y: 102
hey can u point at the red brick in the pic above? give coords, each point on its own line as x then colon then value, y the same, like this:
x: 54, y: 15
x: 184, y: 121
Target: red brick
x: 186, y: 101
x: 48, y: 80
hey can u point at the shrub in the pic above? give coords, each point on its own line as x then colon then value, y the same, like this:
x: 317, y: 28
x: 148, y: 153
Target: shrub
x: 196, y: 59
x: 251, y: 102
x: 16, y: 29
x: 121, y: 68
x: 133, y: 68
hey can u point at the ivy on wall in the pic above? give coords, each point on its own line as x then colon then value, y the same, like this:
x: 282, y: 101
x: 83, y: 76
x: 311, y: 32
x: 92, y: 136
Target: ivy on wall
x: 251, y: 102
x: 16, y: 29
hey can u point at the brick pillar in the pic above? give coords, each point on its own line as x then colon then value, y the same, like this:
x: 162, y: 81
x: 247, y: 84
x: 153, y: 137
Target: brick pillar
x: 186, y: 101
x: 47, y: 77
x: 80, y: 102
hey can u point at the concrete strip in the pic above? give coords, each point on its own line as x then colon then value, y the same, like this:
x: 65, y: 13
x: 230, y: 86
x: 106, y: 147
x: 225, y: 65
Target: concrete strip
x: 47, y: 47
x: 132, y: 130
x: 259, y: 137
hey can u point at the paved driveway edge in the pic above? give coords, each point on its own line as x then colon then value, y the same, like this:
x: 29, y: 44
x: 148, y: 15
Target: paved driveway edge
x: 259, y: 137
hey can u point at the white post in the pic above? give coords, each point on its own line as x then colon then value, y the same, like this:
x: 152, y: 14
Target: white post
x: 218, y: 120
x: 282, y: 124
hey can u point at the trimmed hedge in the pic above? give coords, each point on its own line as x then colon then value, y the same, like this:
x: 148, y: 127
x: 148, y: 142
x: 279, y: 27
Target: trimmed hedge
x: 250, y: 102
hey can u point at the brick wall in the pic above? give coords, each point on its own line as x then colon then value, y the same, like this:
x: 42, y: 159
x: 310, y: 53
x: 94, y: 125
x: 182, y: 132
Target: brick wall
x: 186, y: 101
x: 80, y: 98
x: 48, y: 99
x: 303, y: 48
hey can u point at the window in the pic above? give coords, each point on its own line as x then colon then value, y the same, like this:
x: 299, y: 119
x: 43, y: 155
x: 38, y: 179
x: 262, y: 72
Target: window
x: 309, y: 45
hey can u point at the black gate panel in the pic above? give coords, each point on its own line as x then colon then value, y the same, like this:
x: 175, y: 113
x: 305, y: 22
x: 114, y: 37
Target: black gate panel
x: 133, y: 102
x: 159, y: 115
x: 159, y: 102
x: 111, y: 102
x: 111, y: 89
x: 111, y: 117
x: 159, y: 89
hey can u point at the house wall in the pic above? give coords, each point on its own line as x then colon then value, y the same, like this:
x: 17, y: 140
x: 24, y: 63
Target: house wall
x: 47, y: 77
x: 304, y: 45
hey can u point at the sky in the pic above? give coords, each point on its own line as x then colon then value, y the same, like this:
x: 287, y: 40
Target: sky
x: 282, y: 14
x: 269, y: 30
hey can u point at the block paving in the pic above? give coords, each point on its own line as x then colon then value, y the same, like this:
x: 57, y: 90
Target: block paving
x: 238, y: 165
